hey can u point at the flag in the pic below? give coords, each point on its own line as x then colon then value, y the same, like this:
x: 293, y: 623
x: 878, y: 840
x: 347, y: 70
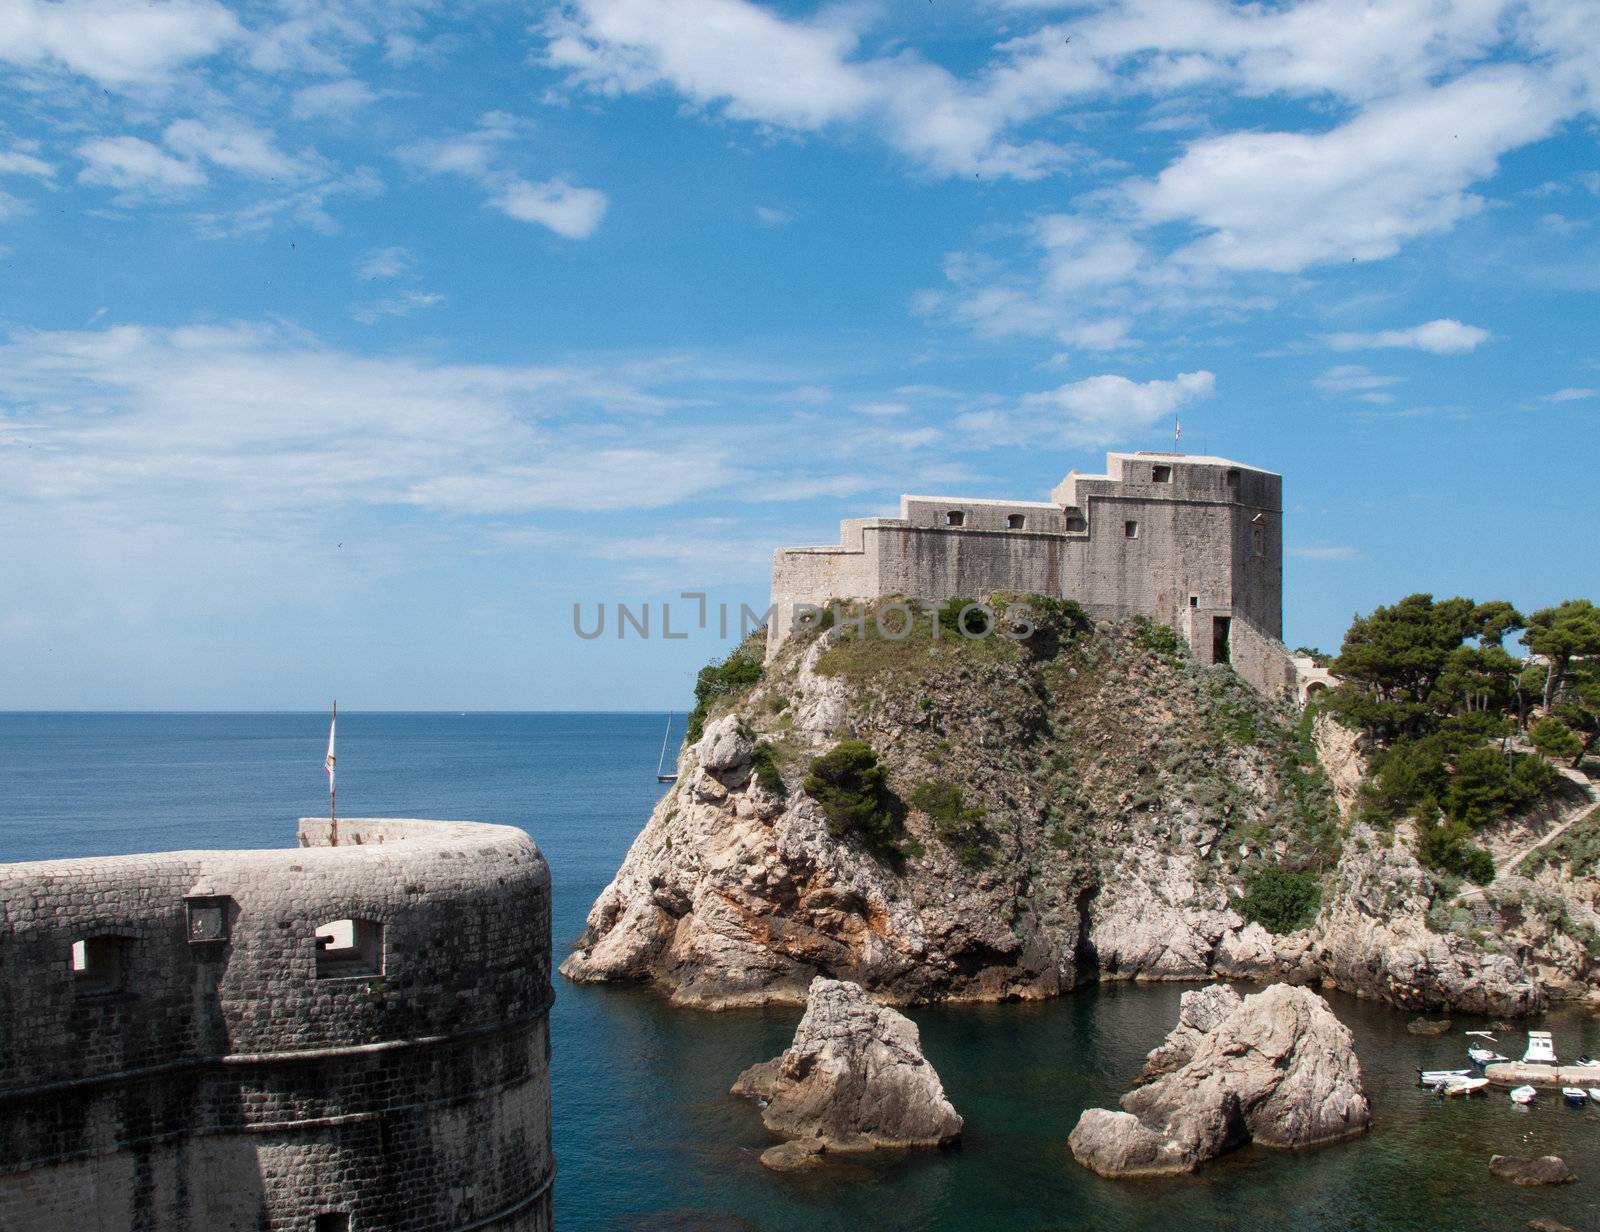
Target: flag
x: 1177, y: 429
x: 327, y: 762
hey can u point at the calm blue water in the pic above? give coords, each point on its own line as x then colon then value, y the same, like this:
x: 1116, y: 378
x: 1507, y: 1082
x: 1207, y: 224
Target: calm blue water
x: 646, y: 1136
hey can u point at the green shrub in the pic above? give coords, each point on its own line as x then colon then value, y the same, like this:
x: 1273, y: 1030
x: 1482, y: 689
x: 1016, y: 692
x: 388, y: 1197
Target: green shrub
x: 1555, y: 740
x: 957, y: 825
x: 739, y: 671
x: 1445, y: 845
x: 1159, y: 639
x: 852, y: 787
x: 1280, y: 899
x: 765, y: 761
x: 950, y: 622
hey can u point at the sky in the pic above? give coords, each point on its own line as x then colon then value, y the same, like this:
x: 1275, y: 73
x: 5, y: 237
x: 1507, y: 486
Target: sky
x: 347, y: 345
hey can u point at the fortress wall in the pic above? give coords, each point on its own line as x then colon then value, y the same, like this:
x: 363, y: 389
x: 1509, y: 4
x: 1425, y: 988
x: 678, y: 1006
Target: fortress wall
x: 1208, y: 547
x: 225, y: 1084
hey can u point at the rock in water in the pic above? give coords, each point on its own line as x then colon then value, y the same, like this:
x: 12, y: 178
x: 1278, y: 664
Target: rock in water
x: 1275, y: 1068
x: 1428, y: 1026
x: 1521, y: 1170
x: 854, y: 1079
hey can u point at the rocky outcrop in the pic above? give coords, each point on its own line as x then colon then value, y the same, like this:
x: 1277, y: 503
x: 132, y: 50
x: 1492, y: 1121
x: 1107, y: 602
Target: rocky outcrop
x: 854, y: 1079
x: 1522, y: 1170
x: 1110, y: 780
x: 1276, y: 1068
x: 1126, y: 799
x: 1373, y: 938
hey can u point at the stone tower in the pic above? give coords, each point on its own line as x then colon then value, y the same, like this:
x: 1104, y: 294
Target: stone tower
x: 319, y: 1039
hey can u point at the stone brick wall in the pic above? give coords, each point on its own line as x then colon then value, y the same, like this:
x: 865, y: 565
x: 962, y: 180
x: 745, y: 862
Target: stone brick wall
x: 1183, y: 540
x: 207, y: 1071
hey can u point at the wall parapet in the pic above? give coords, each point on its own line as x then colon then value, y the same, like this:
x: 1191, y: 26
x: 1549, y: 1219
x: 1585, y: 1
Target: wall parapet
x: 373, y: 1015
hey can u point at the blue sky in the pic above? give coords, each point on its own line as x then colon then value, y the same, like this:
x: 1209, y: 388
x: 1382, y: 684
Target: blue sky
x: 344, y: 346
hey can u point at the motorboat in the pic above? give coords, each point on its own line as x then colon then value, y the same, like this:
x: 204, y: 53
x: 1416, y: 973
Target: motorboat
x: 1433, y: 1077
x: 1524, y: 1095
x: 1594, y: 1094
x: 1461, y: 1086
x: 1541, y: 1049
x: 1587, y: 1063
x: 1485, y: 1056
x: 1576, y: 1096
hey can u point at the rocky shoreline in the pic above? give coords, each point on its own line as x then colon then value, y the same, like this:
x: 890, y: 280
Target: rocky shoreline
x: 1125, y: 797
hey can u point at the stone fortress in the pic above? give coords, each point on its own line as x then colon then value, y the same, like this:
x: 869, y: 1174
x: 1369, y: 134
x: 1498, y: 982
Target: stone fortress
x: 346, y: 1036
x: 1193, y: 542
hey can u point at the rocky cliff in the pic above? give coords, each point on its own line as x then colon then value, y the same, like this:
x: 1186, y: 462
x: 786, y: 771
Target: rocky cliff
x: 1078, y: 804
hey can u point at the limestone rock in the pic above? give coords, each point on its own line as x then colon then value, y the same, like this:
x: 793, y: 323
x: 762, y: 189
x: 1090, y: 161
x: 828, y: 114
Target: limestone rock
x: 1275, y: 1068
x: 796, y: 1156
x: 1372, y: 938
x: 725, y: 747
x: 1541, y: 1224
x: 853, y: 1079
x: 1428, y: 1026
x: 1523, y: 1170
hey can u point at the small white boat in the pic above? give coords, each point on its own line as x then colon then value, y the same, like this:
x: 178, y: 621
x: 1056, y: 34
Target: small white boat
x: 1541, y: 1049
x: 1433, y: 1077
x: 1576, y: 1096
x: 1462, y: 1086
x: 1485, y: 1056
x: 1594, y: 1094
x: 1524, y: 1095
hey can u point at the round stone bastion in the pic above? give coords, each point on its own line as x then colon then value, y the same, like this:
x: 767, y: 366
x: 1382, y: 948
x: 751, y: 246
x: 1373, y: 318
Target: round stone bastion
x: 345, y: 1036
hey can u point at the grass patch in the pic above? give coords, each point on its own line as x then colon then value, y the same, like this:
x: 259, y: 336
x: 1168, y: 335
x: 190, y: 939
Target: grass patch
x: 959, y: 826
x: 765, y: 760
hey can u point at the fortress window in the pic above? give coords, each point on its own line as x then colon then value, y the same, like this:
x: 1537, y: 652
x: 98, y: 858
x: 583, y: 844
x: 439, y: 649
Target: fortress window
x: 349, y: 947
x: 1076, y: 523
x: 99, y: 964
x: 1194, y: 600
x: 955, y: 518
x: 1015, y: 521
x: 1233, y: 481
x: 1258, y: 537
x: 1130, y: 529
x: 1160, y: 474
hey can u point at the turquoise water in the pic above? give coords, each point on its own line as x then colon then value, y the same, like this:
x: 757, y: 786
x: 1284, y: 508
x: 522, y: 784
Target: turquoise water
x: 646, y: 1135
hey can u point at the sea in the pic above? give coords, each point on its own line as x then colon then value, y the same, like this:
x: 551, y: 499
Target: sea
x: 646, y: 1135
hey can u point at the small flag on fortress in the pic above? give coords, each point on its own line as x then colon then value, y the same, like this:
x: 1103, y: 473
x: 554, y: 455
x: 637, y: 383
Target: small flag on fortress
x: 1177, y: 430
x: 327, y: 762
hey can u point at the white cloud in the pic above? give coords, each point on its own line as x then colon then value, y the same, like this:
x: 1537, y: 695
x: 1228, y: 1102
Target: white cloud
x: 1570, y: 395
x: 1356, y: 379
x: 1097, y: 410
x: 773, y: 216
x: 1445, y: 336
x: 337, y: 99
x: 807, y: 75
x: 115, y: 43
x: 388, y: 262
x: 247, y: 421
x: 1398, y: 171
x: 12, y: 207
x: 567, y: 209
x: 135, y: 166
x: 401, y: 305
x: 235, y: 147
x: 18, y: 162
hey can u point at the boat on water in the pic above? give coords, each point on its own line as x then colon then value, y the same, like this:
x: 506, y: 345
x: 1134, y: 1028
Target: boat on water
x: 1435, y: 1077
x: 1587, y: 1063
x: 1485, y: 1056
x: 1524, y: 1095
x: 1576, y: 1096
x: 1541, y: 1049
x: 1462, y: 1086
x: 663, y: 775
x: 1594, y: 1094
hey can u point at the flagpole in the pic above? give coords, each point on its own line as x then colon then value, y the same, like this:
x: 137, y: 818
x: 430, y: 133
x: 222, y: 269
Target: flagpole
x: 333, y: 795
